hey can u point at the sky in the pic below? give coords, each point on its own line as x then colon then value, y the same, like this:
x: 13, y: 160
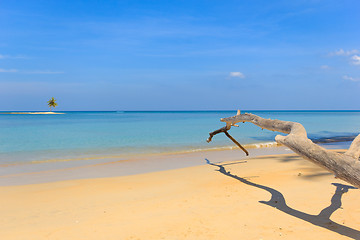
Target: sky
x: 180, y: 55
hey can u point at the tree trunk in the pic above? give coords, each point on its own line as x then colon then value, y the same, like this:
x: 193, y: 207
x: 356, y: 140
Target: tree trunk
x: 345, y: 166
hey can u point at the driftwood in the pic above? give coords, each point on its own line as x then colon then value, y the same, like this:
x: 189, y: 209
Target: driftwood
x: 225, y: 130
x: 345, y: 166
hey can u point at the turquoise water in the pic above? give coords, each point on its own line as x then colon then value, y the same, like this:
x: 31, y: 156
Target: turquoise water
x: 28, y: 138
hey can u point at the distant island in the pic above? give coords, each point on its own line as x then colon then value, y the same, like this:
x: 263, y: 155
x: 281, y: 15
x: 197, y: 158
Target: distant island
x: 32, y: 113
x: 51, y: 103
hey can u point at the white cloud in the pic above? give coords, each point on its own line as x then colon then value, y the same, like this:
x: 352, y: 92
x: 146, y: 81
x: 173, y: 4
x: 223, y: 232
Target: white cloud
x: 342, y: 52
x: 324, y: 67
x: 352, y: 54
x: 8, y: 70
x: 355, y: 60
x: 346, y: 77
x: 237, y: 74
x: 44, y: 72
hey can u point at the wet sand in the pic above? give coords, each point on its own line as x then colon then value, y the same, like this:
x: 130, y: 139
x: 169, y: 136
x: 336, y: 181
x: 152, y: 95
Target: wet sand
x: 112, y: 166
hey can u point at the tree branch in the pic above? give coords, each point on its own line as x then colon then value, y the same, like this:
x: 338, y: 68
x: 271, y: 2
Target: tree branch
x: 225, y: 130
x: 345, y: 166
x: 354, y: 150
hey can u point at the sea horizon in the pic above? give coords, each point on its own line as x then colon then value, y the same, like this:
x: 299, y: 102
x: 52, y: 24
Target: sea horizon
x: 201, y: 110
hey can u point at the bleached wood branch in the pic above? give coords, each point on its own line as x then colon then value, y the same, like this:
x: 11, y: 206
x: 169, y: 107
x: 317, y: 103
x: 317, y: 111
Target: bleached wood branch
x: 345, y: 166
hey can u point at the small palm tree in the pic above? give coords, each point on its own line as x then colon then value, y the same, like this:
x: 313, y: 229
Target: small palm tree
x: 52, y: 103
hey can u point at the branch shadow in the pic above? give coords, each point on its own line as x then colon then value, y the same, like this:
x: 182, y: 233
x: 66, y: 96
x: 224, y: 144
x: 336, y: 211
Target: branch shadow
x: 322, y: 219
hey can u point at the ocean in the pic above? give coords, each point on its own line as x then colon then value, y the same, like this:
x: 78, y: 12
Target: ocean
x: 28, y: 138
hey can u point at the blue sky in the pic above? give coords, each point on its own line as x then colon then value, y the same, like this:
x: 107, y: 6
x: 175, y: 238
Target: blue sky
x: 180, y: 55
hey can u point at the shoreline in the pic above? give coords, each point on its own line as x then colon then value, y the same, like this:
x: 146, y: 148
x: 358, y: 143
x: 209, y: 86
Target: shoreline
x: 224, y: 198
x: 113, y: 166
x: 78, y: 155
x: 121, y: 166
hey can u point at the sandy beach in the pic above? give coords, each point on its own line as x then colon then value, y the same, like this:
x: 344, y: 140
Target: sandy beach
x: 179, y: 120
x: 264, y: 197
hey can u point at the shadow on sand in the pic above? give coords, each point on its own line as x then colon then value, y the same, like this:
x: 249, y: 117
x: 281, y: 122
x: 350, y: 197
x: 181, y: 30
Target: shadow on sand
x: 322, y: 219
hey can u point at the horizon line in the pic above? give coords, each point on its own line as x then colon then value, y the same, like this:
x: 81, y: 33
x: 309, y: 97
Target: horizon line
x: 213, y: 110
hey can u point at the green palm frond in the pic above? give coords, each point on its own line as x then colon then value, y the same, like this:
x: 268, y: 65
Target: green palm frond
x: 52, y: 103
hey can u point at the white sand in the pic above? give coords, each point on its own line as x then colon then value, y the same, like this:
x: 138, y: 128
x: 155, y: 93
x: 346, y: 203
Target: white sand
x: 191, y: 203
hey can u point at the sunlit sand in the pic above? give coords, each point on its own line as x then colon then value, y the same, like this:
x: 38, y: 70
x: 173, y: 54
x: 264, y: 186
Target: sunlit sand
x: 266, y: 197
